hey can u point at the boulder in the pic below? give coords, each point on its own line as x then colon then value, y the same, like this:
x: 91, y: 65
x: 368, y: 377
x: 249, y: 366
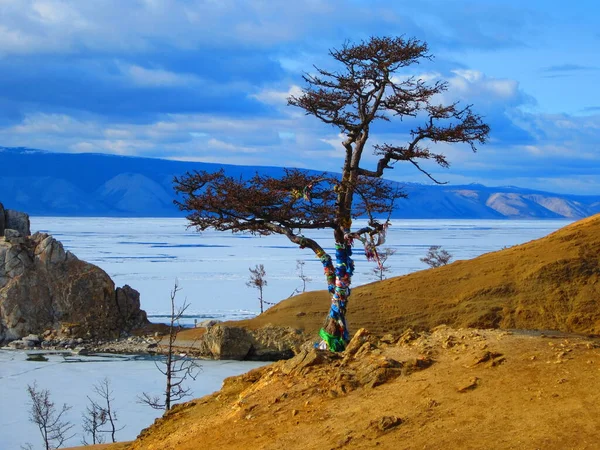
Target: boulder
x: 17, y: 221
x: 273, y: 343
x: 268, y: 343
x: 33, y: 338
x: 208, y: 323
x: 224, y: 342
x: 13, y: 236
x: 43, y: 287
x: 21, y: 344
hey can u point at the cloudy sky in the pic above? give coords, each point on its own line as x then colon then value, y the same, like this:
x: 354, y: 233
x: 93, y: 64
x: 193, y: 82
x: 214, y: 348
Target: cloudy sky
x: 207, y: 80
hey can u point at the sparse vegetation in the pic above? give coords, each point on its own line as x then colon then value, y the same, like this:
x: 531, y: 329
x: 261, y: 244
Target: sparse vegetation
x: 54, y: 429
x: 100, y: 417
x: 300, y: 271
x: 93, y: 419
x: 176, y: 368
x: 382, y: 269
x: 258, y: 281
x: 436, y: 257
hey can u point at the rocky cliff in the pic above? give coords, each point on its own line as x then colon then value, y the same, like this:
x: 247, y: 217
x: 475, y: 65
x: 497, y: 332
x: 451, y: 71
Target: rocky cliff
x: 42, y: 287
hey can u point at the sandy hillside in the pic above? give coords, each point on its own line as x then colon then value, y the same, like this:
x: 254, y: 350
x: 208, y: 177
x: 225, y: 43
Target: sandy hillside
x: 449, y: 389
x: 549, y: 283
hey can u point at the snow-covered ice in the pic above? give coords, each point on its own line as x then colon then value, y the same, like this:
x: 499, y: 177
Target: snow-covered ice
x: 212, y: 267
x: 71, y: 382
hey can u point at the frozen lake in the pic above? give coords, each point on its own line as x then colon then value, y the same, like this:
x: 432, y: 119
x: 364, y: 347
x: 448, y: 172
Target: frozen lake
x: 212, y: 269
x: 71, y: 382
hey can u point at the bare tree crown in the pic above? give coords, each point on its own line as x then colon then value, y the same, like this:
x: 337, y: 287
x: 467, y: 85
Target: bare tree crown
x: 368, y: 86
x: 54, y: 429
x: 258, y: 281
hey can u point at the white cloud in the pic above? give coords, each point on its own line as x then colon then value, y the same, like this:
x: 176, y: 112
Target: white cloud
x: 335, y: 142
x: 84, y: 147
x: 427, y: 77
x: 53, y: 124
x: 472, y: 83
x: 116, y: 133
x: 141, y: 76
x: 61, y: 26
x: 275, y: 97
x: 57, y: 13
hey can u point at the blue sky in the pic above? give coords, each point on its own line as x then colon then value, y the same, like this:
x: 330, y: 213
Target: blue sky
x: 208, y: 80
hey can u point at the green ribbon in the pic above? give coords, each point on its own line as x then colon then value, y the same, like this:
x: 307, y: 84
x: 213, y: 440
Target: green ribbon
x: 335, y: 343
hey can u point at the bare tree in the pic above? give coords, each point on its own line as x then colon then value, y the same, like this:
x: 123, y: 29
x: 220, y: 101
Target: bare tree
x: 49, y: 420
x: 381, y: 269
x: 101, y: 418
x: 300, y: 270
x: 436, y: 256
x: 174, y: 366
x: 94, y: 418
x: 104, y: 391
x: 257, y: 280
x: 368, y: 85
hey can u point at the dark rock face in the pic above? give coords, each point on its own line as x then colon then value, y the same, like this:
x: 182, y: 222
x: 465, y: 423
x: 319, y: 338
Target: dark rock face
x: 42, y: 287
x: 17, y: 221
x: 2, y: 220
x: 128, y: 304
x: 14, y: 220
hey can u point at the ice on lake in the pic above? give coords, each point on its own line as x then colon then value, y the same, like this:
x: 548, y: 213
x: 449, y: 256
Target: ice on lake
x: 71, y: 381
x: 212, y: 267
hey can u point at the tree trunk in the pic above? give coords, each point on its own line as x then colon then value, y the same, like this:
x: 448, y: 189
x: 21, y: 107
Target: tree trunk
x: 168, y: 388
x: 335, y: 331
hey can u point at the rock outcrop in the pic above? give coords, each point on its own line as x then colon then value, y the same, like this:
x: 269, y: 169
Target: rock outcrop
x: 223, y: 342
x: 42, y: 287
x: 230, y: 342
x: 14, y: 220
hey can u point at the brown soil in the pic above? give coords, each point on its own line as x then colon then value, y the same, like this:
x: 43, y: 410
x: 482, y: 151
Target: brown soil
x: 449, y: 388
x: 117, y: 446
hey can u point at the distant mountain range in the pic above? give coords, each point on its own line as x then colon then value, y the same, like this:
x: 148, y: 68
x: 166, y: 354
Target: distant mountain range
x: 65, y: 184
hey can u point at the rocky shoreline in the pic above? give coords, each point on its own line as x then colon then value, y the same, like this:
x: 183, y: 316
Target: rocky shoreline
x: 218, y: 341
x: 80, y: 346
x: 51, y: 300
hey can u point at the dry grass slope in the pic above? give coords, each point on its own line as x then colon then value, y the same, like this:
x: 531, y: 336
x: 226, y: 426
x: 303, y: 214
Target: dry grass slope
x: 549, y: 283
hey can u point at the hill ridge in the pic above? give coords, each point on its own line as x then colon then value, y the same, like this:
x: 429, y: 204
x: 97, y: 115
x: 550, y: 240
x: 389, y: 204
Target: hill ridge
x: 74, y: 184
x: 549, y: 283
